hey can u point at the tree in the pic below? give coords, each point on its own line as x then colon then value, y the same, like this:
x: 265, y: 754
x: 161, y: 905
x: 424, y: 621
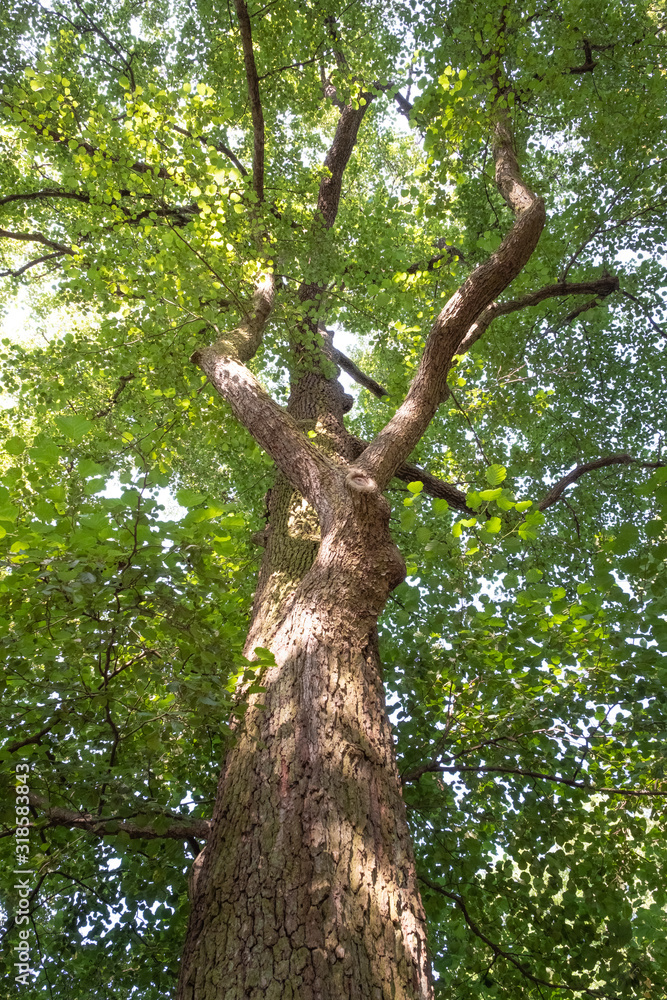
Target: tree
x: 199, y: 200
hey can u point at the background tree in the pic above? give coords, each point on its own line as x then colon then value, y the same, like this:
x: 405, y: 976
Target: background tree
x: 197, y: 200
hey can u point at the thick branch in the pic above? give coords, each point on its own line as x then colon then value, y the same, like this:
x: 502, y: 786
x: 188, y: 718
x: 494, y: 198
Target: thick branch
x: 181, y: 828
x: 338, y: 157
x: 356, y: 373
x: 254, y: 98
x: 307, y: 468
x: 404, y: 105
x: 509, y: 181
x: 328, y: 198
x: 400, y: 435
x: 245, y: 340
x: 429, y: 387
x: 433, y: 486
x: 589, y: 63
x: 600, y: 287
x: 35, y: 738
x: 557, y: 490
x: 349, y: 366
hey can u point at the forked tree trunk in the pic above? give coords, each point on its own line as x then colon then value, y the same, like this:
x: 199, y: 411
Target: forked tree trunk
x: 307, y: 887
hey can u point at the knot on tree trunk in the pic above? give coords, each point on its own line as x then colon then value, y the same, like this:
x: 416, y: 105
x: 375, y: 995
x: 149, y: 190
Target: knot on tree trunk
x: 360, y: 482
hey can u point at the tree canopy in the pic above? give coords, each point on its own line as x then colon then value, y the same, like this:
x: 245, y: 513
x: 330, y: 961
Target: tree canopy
x: 160, y: 162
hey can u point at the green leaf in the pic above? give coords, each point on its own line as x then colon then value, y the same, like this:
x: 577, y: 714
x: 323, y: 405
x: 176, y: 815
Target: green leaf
x: 495, y: 474
x: 46, y: 453
x: 74, y: 426
x: 15, y: 446
x: 189, y: 498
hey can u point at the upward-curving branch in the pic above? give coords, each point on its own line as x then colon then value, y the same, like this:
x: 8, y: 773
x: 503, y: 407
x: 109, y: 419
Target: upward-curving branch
x: 557, y: 490
x: 396, y: 440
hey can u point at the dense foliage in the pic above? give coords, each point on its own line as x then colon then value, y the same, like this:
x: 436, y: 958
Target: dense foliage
x: 525, y: 653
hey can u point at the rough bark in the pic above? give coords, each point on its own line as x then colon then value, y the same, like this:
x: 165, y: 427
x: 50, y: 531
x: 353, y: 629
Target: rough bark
x: 307, y: 887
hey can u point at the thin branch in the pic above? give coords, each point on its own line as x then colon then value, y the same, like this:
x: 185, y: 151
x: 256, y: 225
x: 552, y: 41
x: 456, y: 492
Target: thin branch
x: 557, y: 490
x: 105, y: 826
x: 46, y: 193
x: 603, y: 229
x: 182, y: 212
x: 123, y: 380
x: 428, y: 265
x: 469, y: 422
x: 297, y: 65
x: 220, y: 146
x: 600, y: 287
x: 656, y: 326
x: 64, y: 140
x: 31, y: 263
x: 255, y: 101
x: 97, y: 30
x: 13, y: 747
x: 436, y: 768
x: 36, y: 238
x: 500, y: 952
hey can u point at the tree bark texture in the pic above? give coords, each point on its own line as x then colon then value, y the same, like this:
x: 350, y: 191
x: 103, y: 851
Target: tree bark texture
x: 307, y: 888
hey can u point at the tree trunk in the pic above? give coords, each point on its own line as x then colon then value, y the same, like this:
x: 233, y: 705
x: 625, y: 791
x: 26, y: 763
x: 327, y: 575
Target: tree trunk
x: 307, y: 887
